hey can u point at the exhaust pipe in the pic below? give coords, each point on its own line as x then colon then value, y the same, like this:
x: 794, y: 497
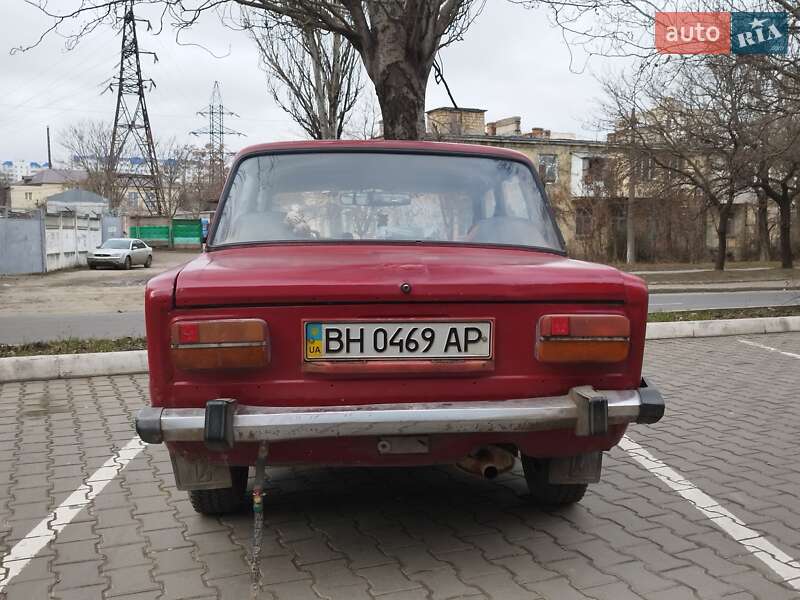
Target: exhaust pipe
x: 487, y: 462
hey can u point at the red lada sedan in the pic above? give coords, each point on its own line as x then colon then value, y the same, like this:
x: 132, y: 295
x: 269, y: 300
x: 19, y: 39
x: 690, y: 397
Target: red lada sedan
x: 391, y: 304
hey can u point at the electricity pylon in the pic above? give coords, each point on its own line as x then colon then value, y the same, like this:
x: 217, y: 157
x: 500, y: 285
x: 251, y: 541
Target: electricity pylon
x: 216, y: 132
x: 132, y: 135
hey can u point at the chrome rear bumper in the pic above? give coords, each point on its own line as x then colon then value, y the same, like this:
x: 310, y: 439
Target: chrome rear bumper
x: 223, y: 422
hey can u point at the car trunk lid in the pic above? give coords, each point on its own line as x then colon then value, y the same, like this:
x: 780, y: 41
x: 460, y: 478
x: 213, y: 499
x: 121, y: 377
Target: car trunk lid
x: 323, y: 273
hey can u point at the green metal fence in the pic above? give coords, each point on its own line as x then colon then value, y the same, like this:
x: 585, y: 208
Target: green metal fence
x: 152, y: 234
x: 181, y: 232
x: 187, y: 232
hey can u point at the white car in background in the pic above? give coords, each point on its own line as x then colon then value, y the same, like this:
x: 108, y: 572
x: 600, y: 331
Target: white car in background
x: 121, y: 253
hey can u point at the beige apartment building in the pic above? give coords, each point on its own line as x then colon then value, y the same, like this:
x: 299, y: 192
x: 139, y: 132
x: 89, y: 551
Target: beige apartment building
x: 33, y: 191
x: 587, y: 184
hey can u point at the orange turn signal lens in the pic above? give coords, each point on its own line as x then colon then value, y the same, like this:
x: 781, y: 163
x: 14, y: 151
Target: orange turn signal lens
x: 583, y: 338
x: 220, y: 344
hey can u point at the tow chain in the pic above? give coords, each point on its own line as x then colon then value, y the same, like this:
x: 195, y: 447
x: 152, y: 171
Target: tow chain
x: 258, y: 521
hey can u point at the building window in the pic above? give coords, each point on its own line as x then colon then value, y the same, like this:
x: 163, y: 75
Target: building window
x: 548, y: 168
x: 645, y: 169
x: 28, y: 195
x: 583, y: 221
x: 594, y: 168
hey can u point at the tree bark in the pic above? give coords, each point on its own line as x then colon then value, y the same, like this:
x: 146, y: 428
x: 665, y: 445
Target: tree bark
x: 785, y: 207
x: 310, y: 38
x: 722, y: 238
x: 630, y: 222
x: 764, y: 245
x: 399, y: 63
x: 401, y: 95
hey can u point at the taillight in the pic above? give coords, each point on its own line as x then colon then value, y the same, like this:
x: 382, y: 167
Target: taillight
x: 220, y: 344
x: 583, y: 338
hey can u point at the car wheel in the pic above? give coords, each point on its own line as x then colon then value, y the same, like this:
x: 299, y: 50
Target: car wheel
x: 545, y: 493
x: 148, y: 262
x: 223, y: 500
x: 127, y: 264
x: 92, y: 267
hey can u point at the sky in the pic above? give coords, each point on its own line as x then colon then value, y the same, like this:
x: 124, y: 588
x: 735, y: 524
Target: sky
x: 511, y: 62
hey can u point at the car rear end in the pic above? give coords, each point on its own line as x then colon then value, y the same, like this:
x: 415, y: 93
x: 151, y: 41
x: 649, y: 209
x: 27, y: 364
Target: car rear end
x: 393, y: 355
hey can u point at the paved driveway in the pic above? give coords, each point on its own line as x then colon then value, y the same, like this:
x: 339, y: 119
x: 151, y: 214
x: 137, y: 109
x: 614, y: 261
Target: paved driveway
x: 728, y: 445
x: 79, y: 303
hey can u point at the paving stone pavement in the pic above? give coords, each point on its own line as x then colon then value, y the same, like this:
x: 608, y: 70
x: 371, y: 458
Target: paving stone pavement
x: 731, y: 428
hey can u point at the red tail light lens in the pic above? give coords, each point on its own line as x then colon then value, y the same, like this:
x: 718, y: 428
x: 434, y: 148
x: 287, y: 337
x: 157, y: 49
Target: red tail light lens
x: 220, y: 344
x: 188, y: 333
x: 583, y: 338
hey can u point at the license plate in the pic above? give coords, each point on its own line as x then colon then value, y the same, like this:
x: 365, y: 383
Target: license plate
x: 398, y: 340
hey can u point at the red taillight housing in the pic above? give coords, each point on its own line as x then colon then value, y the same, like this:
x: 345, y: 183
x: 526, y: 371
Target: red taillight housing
x: 220, y: 344
x: 583, y: 338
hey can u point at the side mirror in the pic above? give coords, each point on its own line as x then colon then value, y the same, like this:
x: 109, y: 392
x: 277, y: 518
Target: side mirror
x: 97, y: 247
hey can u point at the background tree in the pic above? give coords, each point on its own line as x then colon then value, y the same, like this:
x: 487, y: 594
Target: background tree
x: 365, y: 120
x: 397, y: 39
x: 88, y: 144
x: 693, y: 122
x: 776, y: 167
x: 313, y: 75
x: 178, y: 171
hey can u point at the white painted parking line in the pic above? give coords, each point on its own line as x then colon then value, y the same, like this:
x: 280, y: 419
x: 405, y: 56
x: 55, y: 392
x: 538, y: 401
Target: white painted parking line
x: 769, y: 348
x: 47, y: 529
x: 783, y: 565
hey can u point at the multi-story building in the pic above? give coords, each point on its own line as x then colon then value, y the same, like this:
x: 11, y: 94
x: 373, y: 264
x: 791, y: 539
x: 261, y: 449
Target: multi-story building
x: 587, y: 182
x: 14, y: 170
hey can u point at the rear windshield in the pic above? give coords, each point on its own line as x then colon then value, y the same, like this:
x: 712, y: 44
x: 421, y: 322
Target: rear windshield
x: 385, y: 197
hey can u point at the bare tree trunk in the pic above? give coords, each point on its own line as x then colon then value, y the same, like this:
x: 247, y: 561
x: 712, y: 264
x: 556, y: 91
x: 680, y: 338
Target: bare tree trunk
x: 785, y: 207
x: 764, y: 246
x: 630, y: 225
x: 722, y: 238
x: 401, y: 95
x: 399, y: 69
x: 310, y: 37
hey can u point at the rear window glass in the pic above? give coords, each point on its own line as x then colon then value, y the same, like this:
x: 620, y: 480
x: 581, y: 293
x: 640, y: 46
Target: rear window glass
x: 353, y: 196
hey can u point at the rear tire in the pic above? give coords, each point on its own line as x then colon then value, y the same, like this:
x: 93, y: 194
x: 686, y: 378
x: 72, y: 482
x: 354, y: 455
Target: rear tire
x: 222, y: 501
x: 549, y: 494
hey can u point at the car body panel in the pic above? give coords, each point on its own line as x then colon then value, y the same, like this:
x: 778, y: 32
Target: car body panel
x: 287, y: 283
x: 308, y: 273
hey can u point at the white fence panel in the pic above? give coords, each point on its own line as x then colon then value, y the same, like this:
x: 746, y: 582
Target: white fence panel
x: 69, y: 238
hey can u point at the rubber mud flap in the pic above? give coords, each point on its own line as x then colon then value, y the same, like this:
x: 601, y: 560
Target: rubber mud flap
x: 218, y: 433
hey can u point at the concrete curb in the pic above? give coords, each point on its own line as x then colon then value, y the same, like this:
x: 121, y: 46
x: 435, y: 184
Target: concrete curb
x: 721, y: 327
x: 65, y: 366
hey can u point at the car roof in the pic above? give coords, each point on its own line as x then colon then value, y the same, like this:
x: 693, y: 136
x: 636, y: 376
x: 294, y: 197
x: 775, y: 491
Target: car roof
x: 384, y: 146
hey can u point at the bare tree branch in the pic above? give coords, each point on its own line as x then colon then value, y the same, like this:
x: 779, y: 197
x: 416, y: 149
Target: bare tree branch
x: 397, y: 40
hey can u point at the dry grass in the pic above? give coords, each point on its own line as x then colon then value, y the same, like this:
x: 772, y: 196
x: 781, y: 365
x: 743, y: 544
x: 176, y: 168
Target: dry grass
x: 724, y: 313
x: 73, y: 346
